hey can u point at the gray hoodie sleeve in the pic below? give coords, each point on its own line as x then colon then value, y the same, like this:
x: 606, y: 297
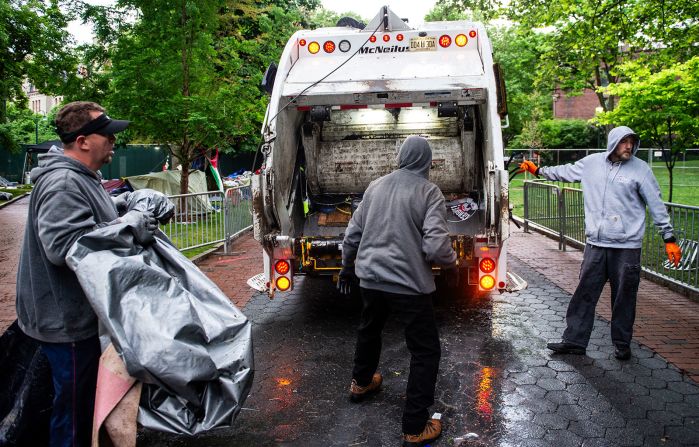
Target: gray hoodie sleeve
x: 436, y: 243
x: 353, y: 236
x: 571, y: 172
x: 650, y: 191
x: 61, y: 221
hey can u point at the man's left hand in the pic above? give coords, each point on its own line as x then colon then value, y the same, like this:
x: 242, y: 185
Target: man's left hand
x: 345, y: 280
x: 674, y: 253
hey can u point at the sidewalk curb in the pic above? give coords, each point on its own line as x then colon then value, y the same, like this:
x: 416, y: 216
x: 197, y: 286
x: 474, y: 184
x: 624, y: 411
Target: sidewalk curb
x: 14, y: 199
x: 203, y: 256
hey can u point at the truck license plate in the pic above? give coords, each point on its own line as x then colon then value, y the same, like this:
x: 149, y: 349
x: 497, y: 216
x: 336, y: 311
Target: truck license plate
x: 423, y: 43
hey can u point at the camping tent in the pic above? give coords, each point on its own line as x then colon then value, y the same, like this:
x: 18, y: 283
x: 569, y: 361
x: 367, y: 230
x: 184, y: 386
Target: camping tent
x: 168, y: 182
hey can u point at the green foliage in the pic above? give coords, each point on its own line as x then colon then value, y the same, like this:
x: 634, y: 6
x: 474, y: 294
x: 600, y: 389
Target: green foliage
x: 322, y: 17
x: 662, y: 107
x: 188, y: 74
x: 557, y: 134
x: 517, y: 50
x: 34, y: 46
x: 22, y: 126
x: 481, y: 10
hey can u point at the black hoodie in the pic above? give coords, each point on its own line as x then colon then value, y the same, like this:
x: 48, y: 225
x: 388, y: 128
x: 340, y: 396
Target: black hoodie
x: 67, y: 201
x: 400, y: 229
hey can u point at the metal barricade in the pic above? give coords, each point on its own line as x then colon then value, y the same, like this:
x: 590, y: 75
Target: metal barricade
x: 560, y: 212
x: 543, y: 206
x: 238, y: 213
x: 685, y: 221
x: 208, y: 218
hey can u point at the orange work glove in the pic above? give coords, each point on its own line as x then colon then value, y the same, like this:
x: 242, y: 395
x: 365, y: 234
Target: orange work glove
x: 674, y: 254
x: 528, y: 166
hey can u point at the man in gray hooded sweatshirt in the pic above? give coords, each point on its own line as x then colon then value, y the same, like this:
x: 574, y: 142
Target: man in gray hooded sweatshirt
x: 68, y: 201
x: 394, y: 237
x: 617, y: 188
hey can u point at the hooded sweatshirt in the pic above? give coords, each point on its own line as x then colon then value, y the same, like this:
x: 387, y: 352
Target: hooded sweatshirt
x: 67, y: 201
x: 616, y: 195
x: 399, y: 229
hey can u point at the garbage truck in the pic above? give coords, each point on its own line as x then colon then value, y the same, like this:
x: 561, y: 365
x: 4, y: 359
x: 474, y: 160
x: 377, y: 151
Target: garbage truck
x: 342, y: 101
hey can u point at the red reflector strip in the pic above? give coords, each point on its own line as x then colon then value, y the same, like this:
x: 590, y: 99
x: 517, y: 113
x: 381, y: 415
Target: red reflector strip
x: 353, y: 106
x: 397, y: 105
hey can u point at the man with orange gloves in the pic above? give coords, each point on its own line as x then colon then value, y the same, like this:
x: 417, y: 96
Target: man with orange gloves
x: 617, y: 188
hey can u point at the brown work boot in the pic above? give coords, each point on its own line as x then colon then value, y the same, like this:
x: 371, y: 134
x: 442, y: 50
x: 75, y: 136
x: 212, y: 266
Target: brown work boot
x: 357, y: 392
x: 432, y: 430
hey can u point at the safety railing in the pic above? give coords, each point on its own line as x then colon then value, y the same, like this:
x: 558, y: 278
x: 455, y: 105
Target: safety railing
x: 208, y: 218
x: 559, y: 211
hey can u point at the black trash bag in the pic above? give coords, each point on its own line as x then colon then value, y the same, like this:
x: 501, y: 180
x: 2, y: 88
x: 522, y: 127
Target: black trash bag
x: 26, y: 391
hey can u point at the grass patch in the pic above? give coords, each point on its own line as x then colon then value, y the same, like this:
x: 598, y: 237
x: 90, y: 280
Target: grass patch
x: 17, y: 191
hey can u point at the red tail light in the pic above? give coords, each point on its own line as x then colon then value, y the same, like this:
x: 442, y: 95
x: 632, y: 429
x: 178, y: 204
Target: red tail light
x: 386, y: 37
x: 445, y: 41
x: 487, y: 265
x: 329, y: 46
x: 282, y: 267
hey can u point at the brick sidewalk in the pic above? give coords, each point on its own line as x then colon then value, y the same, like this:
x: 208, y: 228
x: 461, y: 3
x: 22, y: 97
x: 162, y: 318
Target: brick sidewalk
x: 231, y: 272
x: 666, y: 322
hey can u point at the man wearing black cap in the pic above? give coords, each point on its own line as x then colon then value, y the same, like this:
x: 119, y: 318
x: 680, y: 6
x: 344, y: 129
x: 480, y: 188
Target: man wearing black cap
x: 67, y: 202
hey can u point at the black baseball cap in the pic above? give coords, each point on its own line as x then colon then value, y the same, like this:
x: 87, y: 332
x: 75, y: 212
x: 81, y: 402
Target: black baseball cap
x: 103, y: 125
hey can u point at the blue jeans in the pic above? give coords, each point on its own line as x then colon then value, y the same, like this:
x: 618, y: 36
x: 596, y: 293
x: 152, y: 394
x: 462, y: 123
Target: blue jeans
x: 622, y: 268
x: 74, y: 372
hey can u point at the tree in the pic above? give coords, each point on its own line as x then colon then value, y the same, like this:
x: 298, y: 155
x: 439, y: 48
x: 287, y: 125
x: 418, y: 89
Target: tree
x: 322, y: 17
x: 187, y: 73
x: 589, y: 40
x: 663, y: 108
x: 34, y: 46
x: 517, y: 49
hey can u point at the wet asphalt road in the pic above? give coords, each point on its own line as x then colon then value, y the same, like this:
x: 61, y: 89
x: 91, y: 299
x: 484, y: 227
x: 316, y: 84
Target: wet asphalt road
x: 497, y: 379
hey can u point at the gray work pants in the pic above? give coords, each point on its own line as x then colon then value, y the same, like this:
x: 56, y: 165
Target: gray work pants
x: 622, y: 267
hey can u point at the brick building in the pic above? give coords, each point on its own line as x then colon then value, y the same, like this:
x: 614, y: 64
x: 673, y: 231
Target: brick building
x: 579, y: 107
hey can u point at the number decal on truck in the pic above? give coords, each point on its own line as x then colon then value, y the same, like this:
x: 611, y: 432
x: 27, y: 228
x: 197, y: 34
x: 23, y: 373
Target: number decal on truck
x: 423, y: 44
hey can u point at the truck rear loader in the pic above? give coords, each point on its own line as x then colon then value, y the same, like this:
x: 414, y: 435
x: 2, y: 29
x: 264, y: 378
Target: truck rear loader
x: 342, y: 101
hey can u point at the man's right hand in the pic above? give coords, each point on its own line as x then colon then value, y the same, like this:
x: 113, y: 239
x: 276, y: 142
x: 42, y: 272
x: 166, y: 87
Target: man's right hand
x: 142, y: 224
x: 528, y: 166
x: 345, y: 280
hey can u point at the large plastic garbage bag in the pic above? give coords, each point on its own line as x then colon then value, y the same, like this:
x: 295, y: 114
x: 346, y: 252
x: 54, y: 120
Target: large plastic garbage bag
x: 26, y: 390
x: 173, y: 327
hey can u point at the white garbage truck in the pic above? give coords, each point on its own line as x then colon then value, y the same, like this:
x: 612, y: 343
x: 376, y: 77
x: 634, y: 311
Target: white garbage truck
x: 342, y: 101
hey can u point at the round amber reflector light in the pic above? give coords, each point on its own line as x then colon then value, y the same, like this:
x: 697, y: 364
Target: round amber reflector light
x: 487, y: 265
x: 313, y: 47
x: 461, y: 40
x: 487, y: 282
x: 283, y: 283
x: 281, y: 267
